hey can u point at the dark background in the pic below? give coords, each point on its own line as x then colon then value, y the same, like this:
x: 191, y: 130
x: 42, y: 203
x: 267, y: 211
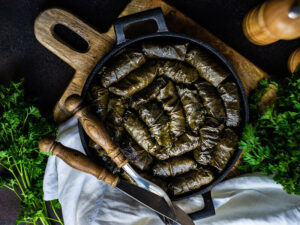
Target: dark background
x: 47, y: 76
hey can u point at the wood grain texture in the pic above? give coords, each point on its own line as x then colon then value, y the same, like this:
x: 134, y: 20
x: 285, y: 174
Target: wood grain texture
x: 294, y: 60
x: 95, y: 129
x: 180, y: 23
x: 83, y: 63
x: 100, y: 44
x: 77, y: 160
x: 269, y: 22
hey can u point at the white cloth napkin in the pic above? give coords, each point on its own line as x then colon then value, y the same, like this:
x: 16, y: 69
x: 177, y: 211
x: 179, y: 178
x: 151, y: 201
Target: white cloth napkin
x: 250, y: 199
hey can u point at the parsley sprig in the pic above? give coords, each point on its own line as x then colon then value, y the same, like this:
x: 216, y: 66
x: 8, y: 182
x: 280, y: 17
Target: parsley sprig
x: 271, y: 142
x: 21, y: 127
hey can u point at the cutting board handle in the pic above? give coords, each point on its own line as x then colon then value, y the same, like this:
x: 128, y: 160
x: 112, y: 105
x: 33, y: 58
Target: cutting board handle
x: 83, y: 62
x: 44, y: 32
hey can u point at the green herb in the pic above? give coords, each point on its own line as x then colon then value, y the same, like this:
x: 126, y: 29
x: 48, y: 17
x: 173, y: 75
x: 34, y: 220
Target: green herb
x: 271, y: 142
x: 21, y: 127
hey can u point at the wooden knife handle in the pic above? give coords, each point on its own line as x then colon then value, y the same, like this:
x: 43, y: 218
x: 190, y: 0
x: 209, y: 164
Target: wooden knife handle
x: 77, y: 160
x: 95, y: 129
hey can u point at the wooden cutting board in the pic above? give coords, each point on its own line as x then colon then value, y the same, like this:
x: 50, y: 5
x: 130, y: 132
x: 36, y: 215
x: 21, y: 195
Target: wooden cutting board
x: 101, y: 43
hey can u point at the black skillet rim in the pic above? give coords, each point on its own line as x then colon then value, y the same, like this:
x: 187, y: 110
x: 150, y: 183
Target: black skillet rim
x: 196, y: 42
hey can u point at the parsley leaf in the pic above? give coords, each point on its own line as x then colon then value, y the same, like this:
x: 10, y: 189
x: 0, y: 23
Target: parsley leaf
x: 271, y: 142
x: 21, y: 127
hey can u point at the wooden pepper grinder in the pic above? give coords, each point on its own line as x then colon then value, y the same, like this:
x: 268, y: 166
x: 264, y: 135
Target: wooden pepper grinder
x: 294, y: 60
x: 272, y: 21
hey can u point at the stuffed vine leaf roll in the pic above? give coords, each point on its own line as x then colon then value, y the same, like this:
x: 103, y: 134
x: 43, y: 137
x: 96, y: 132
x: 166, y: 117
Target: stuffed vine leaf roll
x: 136, y: 155
x: 153, y: 115
x: 173, y: 167
x: 158, y: 50
x: 149, y: 93
x: 115, y: 111
x: 136, y: 80
x: 171, y: 104
x: 207, y: 66
x: 99, y: 101
x: 230, y: 95
x: 190, y: 181
x: 212, y: 102
x: 184, y: 144
x: 224, y: 149
x: 138, y: 131
x: 193, y: 108
x: 210, y: 137
x: 211, y: 122
x: 202, y: 157
x: 121, y: 66
x: 178, y: 72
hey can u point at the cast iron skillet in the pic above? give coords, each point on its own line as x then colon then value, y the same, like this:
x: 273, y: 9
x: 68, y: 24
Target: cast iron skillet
x: 163, y: 33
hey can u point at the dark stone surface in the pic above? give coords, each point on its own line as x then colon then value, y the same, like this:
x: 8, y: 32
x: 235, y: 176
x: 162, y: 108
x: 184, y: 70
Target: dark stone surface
x: 47, y: 76
x: 9, y: 207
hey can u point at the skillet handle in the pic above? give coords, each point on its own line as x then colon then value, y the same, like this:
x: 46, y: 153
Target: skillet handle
x: 153, y: 14
x: 207, y: 211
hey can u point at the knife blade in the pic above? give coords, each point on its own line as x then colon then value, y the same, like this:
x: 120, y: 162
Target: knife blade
x: 96, y: 130
x: 154, y: 202
x: 79, y: 161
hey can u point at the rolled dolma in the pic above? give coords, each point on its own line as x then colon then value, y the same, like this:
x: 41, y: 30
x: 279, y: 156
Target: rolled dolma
x: 148, y: 93
x: 115, y: 111
x: 137, y: 156
x: 116, y: 108
x: 136, y: 80
x: 99, y: 101
x: 165, y: 51
x: 202, y: 157
x: 178, y: 72
x: 173, y: 167
x: 121, y: 66
x: 207, y: 66
x: 138, y: 132
x: 193, y: 108
x: 184, y: 144
x: 211, y: 122
x: 190, y: 181
x: 171, y: 104
x: 153, y: 115
x: 210, y: 136
x: 230, y: 95
x: 212, y: 102
x: 224, y: 149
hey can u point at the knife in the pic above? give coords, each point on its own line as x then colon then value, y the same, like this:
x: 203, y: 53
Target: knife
x: 97, y: 132
x: 79, y: 161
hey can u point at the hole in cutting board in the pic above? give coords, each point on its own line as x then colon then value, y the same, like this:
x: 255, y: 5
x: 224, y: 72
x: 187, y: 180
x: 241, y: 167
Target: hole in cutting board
x: 140, y: 28
x: 71, y: 38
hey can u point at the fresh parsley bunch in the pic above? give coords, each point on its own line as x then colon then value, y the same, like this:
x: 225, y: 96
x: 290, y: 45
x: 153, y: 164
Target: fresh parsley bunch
x: 21, y: 127
x: 271, y: 142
